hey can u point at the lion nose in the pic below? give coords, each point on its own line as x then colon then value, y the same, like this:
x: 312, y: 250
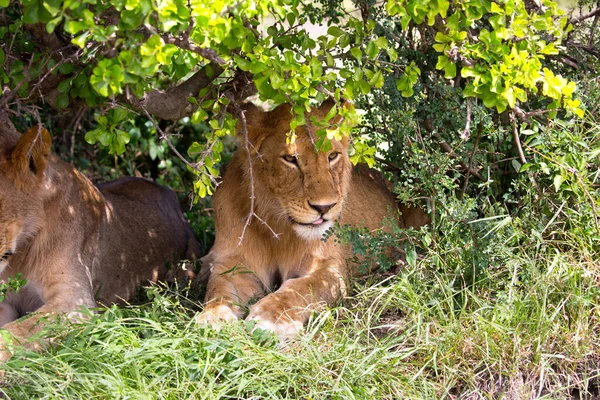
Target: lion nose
x: 322, y: 208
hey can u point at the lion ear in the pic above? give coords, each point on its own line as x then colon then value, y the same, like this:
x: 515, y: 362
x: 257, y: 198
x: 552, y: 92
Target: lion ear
x: 257, y: 125
x: 32, y: 152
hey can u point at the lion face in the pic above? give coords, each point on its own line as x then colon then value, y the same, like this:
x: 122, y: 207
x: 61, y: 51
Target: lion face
x: 21, y: 174
x: 12, y: 218
x: 302, y: 186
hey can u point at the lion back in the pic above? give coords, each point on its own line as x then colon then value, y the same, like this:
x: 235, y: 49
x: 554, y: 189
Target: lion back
x: 144, y: 220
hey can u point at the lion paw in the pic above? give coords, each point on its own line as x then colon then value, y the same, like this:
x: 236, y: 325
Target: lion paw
x: 279, y: 323
x: 215, y: 316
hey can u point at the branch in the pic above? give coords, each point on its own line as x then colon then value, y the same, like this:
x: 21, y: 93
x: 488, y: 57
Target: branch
x: 581, y: 18
x: 588, y: 49
x: 526, y: 115
x: 513, y: 118
x: 446, y: 147
x: 251, y: 214
x: 185, y: 44
x: 8, y: 133
x: 163, y: 136
x: 172, y: 104
x: 464, y: 135
x: 466, y: 181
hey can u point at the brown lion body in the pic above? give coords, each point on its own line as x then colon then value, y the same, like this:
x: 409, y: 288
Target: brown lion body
x: 299, y: 193
x: 76, y: 243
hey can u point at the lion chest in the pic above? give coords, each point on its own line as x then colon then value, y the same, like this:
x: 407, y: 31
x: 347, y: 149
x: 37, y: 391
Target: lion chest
x: 279, y: 260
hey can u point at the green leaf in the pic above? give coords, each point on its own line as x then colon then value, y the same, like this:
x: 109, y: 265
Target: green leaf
x: 392, y: 54
x: 442, y: 62
x: 51, y: 25
x: 335, y: 31
x: 377, y: 80
x: 276, y: 80
x: 31, y: 12
x: 411, y: 253
x: 64, y: 86
x: 62, y: 101
x: 450, y: 71
x: 242, y: 63
x: 316, y: 67
x: 344, y: 40
x: 382, y: 42
x: 329, y: 60
x: 516, y: 165
x: 558, y: 180
x: 372, y: 50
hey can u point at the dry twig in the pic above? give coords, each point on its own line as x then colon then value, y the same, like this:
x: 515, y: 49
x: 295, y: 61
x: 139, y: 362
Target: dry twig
x: 251, y: 213
x: 513, y: 118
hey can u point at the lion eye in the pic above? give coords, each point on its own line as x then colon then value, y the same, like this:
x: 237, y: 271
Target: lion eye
x: 291, y: 159
x: 333, y: 156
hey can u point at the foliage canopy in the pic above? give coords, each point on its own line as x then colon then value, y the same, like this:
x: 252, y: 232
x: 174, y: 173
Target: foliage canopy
x: 174, y: 59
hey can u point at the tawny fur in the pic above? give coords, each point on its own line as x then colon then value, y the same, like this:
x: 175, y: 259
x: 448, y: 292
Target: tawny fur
x: 75, y: 243
x: 297, y: 272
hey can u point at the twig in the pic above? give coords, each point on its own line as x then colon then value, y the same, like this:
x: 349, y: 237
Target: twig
x: 591, y: 14
x: 526, y: 115
x: 391, y: 166
x: 466, y: 181
x: 163, y: 136
x: 513, y: 118
x: 574, y: 172
x: 324, y: 90
x: 251, y: 213
x: 446, y: 147
x: 185, y: 44
x: 593, y: 29
x: 464, y: 135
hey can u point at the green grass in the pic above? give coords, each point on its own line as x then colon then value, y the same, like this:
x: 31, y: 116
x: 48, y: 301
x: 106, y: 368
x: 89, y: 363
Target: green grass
x: 415, y: 335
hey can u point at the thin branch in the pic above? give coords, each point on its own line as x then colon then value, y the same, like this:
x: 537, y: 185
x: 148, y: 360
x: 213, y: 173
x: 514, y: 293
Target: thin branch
x: 391, y: 166
x: 324, y: 90
x: 526, y: 115
x: 475, y: 145
x: 163, y: 136
x: 513, y: 118
x: 251, y: 213
x: 591, y: 14
x: 464, y: 135
x: 184, y: 43
x: 446, y: 147
x: 593, y: 30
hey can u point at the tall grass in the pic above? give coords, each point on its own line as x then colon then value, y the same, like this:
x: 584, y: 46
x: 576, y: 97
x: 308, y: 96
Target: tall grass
x: 421, y: 334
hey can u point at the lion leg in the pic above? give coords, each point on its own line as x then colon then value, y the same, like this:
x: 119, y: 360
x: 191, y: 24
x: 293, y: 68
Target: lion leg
x: 231, y: 286
x: 62, y: 301
x: 286, y: 311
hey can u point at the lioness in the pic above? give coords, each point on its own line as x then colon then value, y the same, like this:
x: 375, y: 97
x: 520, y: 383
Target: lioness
x: 299, y: 193
x: 74, y: 242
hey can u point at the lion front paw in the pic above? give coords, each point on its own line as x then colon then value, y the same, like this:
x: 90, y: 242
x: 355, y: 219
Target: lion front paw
x: 215, y: 316
x: 276, y: 321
